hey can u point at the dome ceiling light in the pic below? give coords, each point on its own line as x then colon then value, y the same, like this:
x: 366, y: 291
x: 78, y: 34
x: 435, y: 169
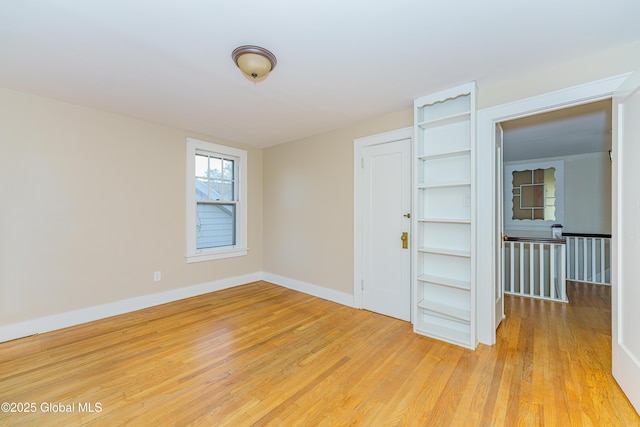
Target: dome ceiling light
x: 255, y: 62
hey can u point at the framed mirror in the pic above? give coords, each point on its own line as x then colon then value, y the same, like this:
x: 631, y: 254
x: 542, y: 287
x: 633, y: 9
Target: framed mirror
x: 533, y: 195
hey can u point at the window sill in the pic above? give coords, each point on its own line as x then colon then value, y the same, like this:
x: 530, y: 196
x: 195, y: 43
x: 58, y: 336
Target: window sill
x: 210, y: 256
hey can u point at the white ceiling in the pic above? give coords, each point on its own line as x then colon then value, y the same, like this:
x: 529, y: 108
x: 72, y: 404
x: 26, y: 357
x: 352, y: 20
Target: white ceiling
x: 339, y: 61
x: 576, y: 130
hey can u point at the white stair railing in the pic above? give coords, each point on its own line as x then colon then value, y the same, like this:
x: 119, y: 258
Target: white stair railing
x: 589, y: 258
x: 535, y: 268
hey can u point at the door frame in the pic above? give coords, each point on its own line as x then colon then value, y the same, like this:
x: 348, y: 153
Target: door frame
x: 625, y: 366
x: 486, y: 169
x: 499, y: 224
x: 358, y: 212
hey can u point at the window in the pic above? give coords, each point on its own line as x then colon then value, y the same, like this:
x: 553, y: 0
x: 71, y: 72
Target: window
x: 534, y: 195
x: 216, y: 201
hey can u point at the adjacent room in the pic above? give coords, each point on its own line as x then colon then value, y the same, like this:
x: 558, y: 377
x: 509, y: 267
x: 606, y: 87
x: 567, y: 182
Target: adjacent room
x: 557, y: 185
x: 292, y: 213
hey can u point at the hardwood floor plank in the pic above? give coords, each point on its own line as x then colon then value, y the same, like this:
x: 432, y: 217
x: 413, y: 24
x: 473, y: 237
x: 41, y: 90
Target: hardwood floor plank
x: 260, y: 354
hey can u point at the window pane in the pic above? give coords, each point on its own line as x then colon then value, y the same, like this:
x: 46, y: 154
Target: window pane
x: 227, y: 191
x: 534, y: 194
x: 215, y: 167
x: 520, y: 213
x: 521, y: 177
x: 228, y: 170
x: 215, y: 225
x: 202, y: 165
x: 215, y: 190
x: 202, y: 189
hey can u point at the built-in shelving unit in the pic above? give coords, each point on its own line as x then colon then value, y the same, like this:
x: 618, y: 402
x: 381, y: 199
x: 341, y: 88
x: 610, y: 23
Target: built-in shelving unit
x: 443, y: 216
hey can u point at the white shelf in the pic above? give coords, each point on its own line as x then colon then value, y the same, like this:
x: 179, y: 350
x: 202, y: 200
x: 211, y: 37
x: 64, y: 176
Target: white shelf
x: 443, y: 217
x: 446, y: 120
x: 446, y: 220
x: 444, y: 155
x: 445, y: 185
x: 446, y: 281
x: 443, y: 333
x: 445, y: 251
x: 447, y: 310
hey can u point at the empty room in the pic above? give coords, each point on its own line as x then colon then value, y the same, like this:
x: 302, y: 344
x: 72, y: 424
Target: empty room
x: 319, y: 213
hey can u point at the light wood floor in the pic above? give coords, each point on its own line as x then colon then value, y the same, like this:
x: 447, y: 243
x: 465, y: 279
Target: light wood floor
x: 264, y: 355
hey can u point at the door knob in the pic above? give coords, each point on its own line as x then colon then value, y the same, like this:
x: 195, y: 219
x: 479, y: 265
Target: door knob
x: 405, y: 240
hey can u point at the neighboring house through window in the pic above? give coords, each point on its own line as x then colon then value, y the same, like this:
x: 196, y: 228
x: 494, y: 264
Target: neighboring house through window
x: 216, y: 201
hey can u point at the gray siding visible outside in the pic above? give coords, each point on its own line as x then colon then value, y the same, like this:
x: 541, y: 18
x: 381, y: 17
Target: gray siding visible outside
x: 215, y: 223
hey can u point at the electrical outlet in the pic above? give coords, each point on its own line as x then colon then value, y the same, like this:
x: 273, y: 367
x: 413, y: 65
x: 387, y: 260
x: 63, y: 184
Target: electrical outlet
x: 157, y: 276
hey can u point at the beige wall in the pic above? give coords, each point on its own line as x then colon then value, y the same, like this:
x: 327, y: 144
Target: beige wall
x: 92, y: 204
x: 596, y: 66
x: 308, y: 196
x: 587, y: 181
x: 587, y: 195
x: 308, y: 204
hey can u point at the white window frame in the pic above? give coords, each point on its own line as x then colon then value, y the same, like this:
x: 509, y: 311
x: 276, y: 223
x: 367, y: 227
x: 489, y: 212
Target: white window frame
x: 538, y: 224
x: 240, y: 248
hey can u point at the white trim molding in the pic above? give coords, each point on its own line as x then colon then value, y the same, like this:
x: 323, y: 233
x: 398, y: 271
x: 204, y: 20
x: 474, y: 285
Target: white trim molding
x: 84, y: 315
x: 487, y: 236
x: 309, y: 289
x: 239, y: 248
x: 90, y: 314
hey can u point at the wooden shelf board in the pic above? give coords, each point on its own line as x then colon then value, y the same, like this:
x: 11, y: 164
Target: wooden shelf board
x: 443, y: 333
x: 446, y: 220
x: 442, y: 121
x: 446, y: 251
x: 445, y: 154
x: 447, y: 310
x: 446, y: 281
x: 445, y: 184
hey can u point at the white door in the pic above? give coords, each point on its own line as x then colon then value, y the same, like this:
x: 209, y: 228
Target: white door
x: 625, y: 315
x: 499, y: 273
x: 386, y: 206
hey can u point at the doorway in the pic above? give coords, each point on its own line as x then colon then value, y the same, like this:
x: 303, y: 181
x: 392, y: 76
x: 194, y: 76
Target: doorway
x: 625, y: 90
x: 557, y: 180
x: 382, y: 223
x: 488, y: 235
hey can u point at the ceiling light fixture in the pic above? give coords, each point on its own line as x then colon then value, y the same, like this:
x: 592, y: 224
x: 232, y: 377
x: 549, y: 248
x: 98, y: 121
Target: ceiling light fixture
x: 255, y: 62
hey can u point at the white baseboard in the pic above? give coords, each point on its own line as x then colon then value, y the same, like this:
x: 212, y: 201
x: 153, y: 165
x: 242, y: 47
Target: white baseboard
x: 89, y: 314
x: 309, y: 288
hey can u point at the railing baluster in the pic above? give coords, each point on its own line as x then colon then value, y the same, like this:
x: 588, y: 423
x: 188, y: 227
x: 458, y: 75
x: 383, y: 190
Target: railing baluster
x: 531, y: 268
x: 552, y: 270
x: 584, y: 258
x: 512, y: 255
x: 569, y: 252
x: 521, y: 258
x: 575, y: 258
x: 603, y: 279
x: 609, y: 259
x: 593, y: 260
x: 559, y: 268
x: 563, y: 278
x: 541, y: 269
